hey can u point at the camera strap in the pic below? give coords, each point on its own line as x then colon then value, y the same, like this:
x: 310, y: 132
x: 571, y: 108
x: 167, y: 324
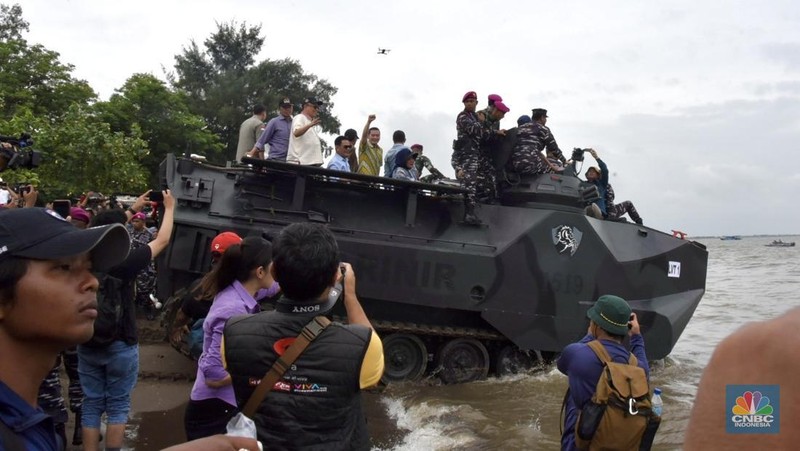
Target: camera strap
x: 284, y: 362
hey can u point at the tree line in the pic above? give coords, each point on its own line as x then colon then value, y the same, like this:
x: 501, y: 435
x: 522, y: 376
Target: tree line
x: 116, y: 145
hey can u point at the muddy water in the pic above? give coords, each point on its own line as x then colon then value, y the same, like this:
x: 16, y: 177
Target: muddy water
x: 746, y: 281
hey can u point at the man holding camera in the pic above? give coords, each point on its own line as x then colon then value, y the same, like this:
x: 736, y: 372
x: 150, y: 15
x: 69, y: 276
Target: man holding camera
x: 610, y: 320
x: 317, y: 401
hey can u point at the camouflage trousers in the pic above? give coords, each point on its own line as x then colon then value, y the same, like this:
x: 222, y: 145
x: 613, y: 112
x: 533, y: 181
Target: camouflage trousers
x: 51, y: 398
x: 617, y: 210
x: 478, y: 176
x: 145, y: 285
x: 530, y: 164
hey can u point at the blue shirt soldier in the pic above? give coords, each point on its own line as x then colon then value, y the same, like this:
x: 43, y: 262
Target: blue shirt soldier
x: 341, y: 159
x: 610, y: 320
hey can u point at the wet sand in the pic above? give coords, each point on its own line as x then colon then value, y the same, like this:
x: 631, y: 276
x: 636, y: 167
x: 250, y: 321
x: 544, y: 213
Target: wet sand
x: 159, y: 401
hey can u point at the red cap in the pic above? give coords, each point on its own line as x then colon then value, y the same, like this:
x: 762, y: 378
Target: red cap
x: 501, y: 106
x: 223, y: 241
x: 469, y: 95
x: 417, y: 146
x: 495, y: 98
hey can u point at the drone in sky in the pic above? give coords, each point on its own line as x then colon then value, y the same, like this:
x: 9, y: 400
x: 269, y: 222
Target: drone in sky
x: 383, y: 51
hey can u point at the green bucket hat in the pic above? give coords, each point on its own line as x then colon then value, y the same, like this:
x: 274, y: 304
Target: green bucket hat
x: 611, y: 313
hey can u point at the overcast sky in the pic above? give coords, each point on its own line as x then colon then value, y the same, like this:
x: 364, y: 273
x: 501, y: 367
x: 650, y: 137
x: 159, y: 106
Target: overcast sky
x: 694, y: 105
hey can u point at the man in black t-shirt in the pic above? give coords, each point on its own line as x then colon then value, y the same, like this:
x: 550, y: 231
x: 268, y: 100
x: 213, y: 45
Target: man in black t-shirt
x: 108, y: 372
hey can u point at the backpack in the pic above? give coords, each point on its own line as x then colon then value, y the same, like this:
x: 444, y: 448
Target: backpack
x: 195, y: 339
x: 620, y: 415
x: 110, y: 309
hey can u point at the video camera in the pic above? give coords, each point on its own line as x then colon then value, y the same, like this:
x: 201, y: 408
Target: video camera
x: 577, y: 154
x: 17, y: 153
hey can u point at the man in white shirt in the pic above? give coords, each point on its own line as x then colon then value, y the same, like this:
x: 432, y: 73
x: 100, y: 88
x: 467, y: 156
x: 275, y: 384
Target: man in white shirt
x: 304, y: 145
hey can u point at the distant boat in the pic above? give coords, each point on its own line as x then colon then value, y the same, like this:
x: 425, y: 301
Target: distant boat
x: 730, y: 237
x: 779, y: 243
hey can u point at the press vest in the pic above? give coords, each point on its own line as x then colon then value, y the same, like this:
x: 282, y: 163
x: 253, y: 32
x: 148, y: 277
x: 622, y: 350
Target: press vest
x: 317, y: 403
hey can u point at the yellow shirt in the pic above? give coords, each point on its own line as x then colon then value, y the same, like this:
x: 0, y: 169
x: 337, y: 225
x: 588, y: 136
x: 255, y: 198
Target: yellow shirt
x: 370, y: 158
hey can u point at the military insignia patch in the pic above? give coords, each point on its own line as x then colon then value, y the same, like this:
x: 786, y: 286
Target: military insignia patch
x: 567, y: 239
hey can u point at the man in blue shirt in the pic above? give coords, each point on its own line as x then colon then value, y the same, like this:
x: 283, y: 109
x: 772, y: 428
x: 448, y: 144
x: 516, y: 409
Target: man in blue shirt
x: 599, y: 177
x: 610, y: 320
x: 341, y: 159
x: 399, y: 138
x: 48, y: 302
x: 276, y: 134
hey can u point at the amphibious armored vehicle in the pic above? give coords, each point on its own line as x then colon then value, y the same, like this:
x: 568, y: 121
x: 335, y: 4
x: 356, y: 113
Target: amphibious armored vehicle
x: 448, y: 298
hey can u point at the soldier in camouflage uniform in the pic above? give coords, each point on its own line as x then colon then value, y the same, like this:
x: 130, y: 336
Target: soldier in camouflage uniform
x: 539, y: 116
x: 615, y: 211
x: 423, y: 162
x: 472, y: 167
x: 487, y: 115
x: 527, y: 157
x: 51, y: 398
x: 145, y: 280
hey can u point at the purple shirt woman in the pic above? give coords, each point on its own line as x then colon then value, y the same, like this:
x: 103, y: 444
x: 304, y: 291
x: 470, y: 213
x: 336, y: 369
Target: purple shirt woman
x: 241, y: 278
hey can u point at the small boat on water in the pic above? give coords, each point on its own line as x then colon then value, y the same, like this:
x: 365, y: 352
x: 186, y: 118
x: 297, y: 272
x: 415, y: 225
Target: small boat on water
x: 779, y: 243
x: 730, y: 237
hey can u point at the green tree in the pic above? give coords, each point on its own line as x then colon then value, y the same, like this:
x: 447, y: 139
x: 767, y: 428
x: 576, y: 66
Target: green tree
x: 39, y: 95
x: 32, y: 76
x: 145, y: 105
x: 222, y: 81
x: 81, y: 153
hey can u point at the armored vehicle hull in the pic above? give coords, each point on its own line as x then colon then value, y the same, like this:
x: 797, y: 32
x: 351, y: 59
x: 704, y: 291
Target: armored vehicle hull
x: 449, y: 298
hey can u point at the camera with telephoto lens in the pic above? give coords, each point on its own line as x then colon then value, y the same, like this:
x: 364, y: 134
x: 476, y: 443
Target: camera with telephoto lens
x: 16, y: 153
x: 577, y: 154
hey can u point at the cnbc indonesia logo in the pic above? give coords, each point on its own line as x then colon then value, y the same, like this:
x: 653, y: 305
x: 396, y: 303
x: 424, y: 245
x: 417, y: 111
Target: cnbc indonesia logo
x: 753, y: 409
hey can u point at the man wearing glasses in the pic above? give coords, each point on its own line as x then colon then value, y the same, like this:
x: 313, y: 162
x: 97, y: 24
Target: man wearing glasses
x: 276, y: 134
x: 304, y: 144
x: 341, y: 159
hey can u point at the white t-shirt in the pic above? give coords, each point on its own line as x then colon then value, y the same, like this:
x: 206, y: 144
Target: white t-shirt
x: 4, y: 197
x: 306, y: 148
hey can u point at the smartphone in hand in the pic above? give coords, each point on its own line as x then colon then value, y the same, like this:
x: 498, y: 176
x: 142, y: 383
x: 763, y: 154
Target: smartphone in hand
x: 156, y: 196
x: 62, y: 207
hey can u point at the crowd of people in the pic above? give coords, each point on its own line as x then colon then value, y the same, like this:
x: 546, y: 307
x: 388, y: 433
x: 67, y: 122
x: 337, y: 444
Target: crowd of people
x: 68, y: 295
x: 70, y: 285
x: 295, y: 139
x: 533, y: 151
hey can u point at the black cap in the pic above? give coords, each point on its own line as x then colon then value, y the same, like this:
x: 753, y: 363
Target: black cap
x: 350, y: 134
x: 285, y: 102
x: 42, y: 234
x: 313, y: 100
x: 536, y: 113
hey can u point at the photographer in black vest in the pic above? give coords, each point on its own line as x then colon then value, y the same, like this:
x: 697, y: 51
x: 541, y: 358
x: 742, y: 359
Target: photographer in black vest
x: 317, y: 402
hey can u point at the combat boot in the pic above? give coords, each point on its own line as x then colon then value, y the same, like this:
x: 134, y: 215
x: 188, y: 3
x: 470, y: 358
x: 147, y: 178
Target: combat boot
x: 470, y: 218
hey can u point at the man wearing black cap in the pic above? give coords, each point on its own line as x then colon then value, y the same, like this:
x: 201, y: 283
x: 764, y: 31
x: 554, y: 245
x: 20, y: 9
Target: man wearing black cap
x: 304, y: 145
x: 317, y: 403
x: 610, y: 320
x: 47, y: 304
x: 352, y: 136
x: 276, y: 134
x: 546, y: 139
